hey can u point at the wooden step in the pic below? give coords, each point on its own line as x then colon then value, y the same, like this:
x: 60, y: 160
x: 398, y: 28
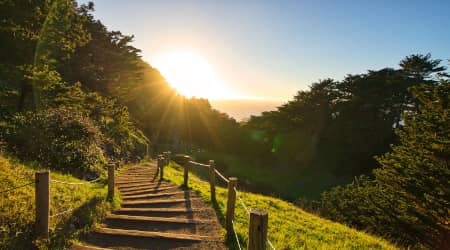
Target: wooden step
x: 158, y: 210
x: 145, y: 190
x: 159, y: 235
x: 162, y: 201
x: 142, y: 182
x: 132, y: 181
x: 131, y: 187
x: 155, y: 219
x: 138, y: 173
x: 145, y: 184
x: 138, y: 196
x: 139, y: 170
x: 87, y: 247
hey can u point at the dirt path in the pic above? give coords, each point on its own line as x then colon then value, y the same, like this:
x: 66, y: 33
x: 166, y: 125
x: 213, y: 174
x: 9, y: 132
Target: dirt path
x: 156, y: 215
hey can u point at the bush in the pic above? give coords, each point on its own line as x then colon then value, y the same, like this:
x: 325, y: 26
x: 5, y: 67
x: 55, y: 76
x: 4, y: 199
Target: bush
x: 57, y: 138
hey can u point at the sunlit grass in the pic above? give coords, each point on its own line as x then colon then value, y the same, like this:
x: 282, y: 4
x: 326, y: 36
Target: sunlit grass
x: 289, y: 226
x: 17, y: 207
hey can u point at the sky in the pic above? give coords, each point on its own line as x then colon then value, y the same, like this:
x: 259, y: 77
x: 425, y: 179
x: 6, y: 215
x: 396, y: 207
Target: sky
x: 272, y: 49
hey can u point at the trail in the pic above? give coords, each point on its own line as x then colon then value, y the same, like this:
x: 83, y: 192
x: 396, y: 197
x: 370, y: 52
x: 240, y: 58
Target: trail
x: 155, y: 214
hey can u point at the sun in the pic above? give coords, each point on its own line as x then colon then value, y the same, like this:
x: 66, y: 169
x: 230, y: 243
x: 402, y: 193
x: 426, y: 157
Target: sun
x: 191, y: 75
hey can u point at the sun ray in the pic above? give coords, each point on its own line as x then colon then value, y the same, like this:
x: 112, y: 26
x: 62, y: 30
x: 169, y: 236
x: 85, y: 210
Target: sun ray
x: 191, y: 75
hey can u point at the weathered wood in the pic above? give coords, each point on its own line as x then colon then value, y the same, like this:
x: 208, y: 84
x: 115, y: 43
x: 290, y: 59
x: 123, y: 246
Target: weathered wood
x: 257, y: 233
x: 212, y: 180
x: 161, y: 168
x: 156, y: 219
x: 162, y: 201
x: 231, y: 203
x: 125, y: 197
x: 186, y: 173
x: 159, y: 210
x: 111, y: 182
x: 158, y: 235
x: 42, y: 179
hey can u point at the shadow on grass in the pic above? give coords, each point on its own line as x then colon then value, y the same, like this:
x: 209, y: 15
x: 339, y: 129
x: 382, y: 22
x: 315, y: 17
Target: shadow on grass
x: 78, y: 225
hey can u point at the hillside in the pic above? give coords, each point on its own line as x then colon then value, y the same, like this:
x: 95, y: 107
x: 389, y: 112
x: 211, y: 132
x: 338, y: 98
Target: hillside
x: 17, y: 207
x: 289, y: 226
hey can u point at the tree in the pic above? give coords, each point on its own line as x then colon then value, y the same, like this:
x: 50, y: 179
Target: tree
x: 422, y: 67
x: 408, y: 200
x: 417, y: 172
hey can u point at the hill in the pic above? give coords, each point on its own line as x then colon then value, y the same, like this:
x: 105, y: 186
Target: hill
x: 289, y: 226
x: 85, y: 205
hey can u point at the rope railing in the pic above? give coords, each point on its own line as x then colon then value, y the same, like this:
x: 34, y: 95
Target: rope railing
x: 260, y: 215
x: 76, y: 183
x: 236, y: 236
x: 61, y: 213
x: 43, y: 191
x: 221, y: 176
x: 199, y: 164
x: 242, y: 202
x: 17, y: 187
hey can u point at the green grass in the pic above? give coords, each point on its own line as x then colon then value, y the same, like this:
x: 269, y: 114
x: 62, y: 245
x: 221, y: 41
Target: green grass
x: 17, y: 208
x: 289, y: 226
x: 290, y: 183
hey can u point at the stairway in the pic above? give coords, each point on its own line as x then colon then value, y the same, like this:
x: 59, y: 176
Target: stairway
x: 155, y: 215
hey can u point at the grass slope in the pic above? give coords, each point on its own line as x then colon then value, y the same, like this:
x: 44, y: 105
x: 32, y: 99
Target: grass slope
x: 17, y: 207
x: 289, y: 226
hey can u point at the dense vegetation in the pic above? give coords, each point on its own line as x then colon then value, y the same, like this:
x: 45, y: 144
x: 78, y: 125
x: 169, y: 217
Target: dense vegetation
x: 289, y: 226
x: 409, y: 197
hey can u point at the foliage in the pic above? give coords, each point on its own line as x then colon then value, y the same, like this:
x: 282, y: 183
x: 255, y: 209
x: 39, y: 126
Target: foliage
x: 58, y: 138
x: 409, y: 199
x: 289, y: 226
x: 36, y: 81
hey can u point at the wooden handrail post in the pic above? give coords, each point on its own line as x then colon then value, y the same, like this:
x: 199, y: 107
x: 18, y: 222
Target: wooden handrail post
x: 168, y: 157
x: 257, y: 233
x: 212, y: 179
x: 42, y: 179
x: 161, y: 167
x: 231, y: 203
x: 186, y: 171
x: 111, y: 182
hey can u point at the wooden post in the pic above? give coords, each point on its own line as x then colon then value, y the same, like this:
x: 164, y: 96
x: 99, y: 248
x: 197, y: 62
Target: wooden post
x: 111, y: 182
x: 257, y: 233
x: 212, y: 180
x: 161, y: 167
x: 168, y: 157
x: 42, y: 179
x: 186, y: 171
x: 231, y: 204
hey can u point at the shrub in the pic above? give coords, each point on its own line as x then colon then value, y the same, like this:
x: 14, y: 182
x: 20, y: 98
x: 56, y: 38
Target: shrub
x: 57, y: 138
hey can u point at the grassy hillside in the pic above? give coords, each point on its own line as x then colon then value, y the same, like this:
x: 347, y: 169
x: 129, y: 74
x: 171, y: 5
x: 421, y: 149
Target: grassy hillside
x: 289, y: 226
x: 17, y: 207
x: 288, y: 183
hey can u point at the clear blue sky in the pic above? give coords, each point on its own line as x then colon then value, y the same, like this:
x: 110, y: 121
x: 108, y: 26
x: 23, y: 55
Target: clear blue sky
x: 271, y: 49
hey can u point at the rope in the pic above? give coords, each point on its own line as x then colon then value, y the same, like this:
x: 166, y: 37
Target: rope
x: 235, y: 235
x: 221, y: 176
x: 14, y: 188
x: 76, y: 183
x: 270, y: 244
x: 61, y: 213
x: 242, y: 202
x: 199, y: 164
